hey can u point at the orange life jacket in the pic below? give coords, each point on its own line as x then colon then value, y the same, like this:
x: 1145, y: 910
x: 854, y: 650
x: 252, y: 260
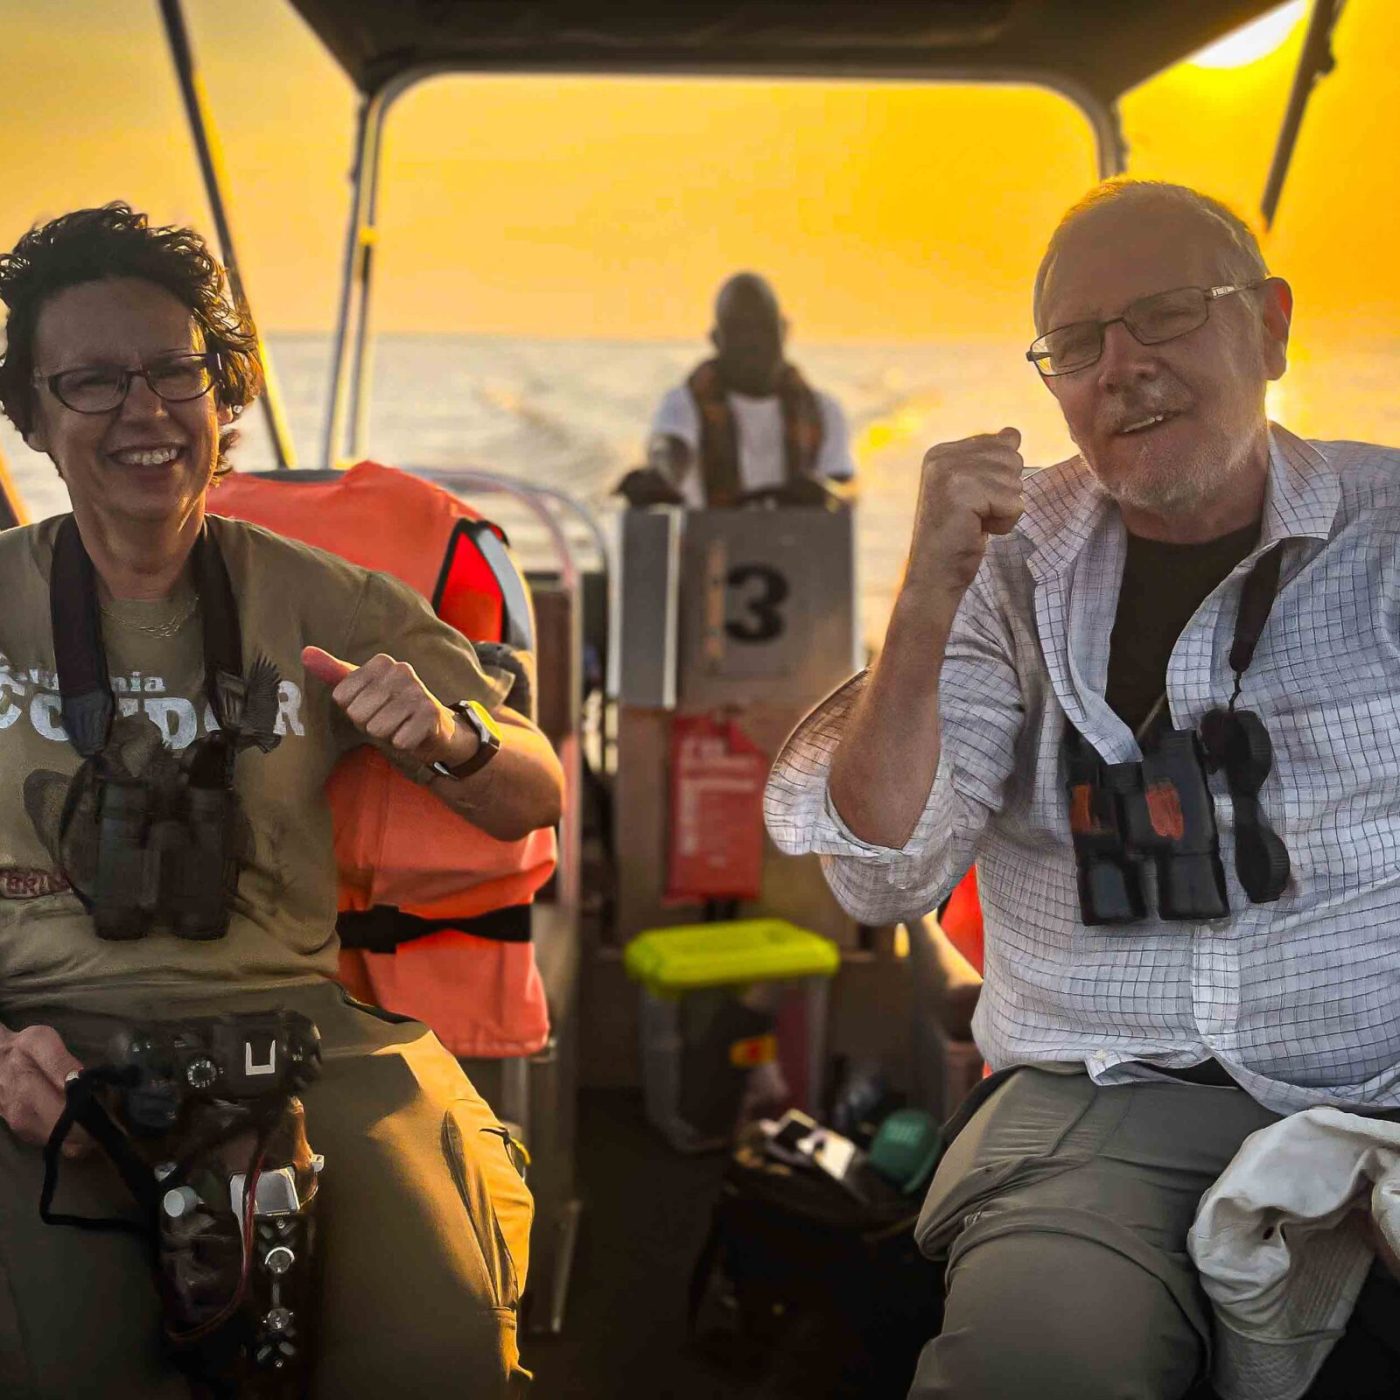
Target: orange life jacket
x: 719, y: 437
x: 961, y: 919
x: 396, y: 846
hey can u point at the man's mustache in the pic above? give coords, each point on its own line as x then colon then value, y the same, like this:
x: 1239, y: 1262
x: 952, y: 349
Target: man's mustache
x: 1124, y: 412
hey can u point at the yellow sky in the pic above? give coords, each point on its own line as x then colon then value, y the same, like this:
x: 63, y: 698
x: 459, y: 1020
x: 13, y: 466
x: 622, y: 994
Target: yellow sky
x: 610, y: 209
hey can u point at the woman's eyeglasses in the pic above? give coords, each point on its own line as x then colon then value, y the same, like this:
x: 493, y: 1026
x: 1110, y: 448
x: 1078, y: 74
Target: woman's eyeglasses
x: 102, y: 388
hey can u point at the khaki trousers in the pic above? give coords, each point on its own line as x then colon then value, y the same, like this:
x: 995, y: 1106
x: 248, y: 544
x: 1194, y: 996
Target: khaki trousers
x: 1062, y: 1209
x: 422, y: 1215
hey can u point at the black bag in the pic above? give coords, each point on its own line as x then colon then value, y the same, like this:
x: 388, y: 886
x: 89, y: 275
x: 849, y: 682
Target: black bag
x: 816, y: 1281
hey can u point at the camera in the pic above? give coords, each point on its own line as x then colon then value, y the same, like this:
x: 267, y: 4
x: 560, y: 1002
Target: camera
x: 1123, y: 815
x: 164, y: 1067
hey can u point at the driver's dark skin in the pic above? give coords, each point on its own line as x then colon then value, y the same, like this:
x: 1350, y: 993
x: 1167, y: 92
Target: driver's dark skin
x: 748, y: 336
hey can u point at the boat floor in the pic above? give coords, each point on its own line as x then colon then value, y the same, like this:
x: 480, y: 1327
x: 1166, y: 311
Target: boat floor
x: 646, y: 1212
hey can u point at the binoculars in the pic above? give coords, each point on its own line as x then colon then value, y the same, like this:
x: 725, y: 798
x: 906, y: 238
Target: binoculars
x: 1124, y: 816
x: 163, y: 857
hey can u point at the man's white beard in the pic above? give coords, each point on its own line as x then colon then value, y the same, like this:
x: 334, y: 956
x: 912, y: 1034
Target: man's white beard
x: 1168, y: 484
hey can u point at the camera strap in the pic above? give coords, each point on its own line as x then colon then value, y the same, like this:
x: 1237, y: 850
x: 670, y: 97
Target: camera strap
x: 85, y: 686
x: 83, y: 1109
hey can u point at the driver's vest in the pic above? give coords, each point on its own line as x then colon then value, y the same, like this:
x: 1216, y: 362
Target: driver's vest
x: 408, y: 867
x: 719, y: 436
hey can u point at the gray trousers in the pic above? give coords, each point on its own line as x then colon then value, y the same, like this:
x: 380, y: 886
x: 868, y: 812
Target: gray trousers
x: 423, y: 1222
x: 1062, y: 1209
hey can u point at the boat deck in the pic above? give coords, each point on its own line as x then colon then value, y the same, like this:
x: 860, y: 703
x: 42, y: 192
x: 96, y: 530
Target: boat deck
x: 646, y: 1211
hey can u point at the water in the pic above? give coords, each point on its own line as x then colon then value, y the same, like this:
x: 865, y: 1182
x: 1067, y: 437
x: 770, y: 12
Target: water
x: 574, y: 415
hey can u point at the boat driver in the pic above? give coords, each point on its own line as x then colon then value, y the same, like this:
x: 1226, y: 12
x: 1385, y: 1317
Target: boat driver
x: 746, y: 420
x: 127, y: 362
x: 1154, y: 692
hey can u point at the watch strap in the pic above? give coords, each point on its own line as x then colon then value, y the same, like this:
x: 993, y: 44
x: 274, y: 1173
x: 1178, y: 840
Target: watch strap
x: 474, y: 714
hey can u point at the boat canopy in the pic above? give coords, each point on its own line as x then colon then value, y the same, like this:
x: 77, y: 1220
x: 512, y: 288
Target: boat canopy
x: 1099, y: 48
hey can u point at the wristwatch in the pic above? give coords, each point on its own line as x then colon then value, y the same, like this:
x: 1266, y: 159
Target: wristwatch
x: 488, y: 735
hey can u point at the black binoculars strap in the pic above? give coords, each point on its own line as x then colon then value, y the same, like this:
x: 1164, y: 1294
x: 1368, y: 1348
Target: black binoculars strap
x: 1256, y: 603
x: 81, y: 659
x: 85, y: 687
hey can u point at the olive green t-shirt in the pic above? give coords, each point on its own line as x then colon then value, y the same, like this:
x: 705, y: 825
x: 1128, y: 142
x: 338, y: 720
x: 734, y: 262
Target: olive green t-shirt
x: 283, y: 927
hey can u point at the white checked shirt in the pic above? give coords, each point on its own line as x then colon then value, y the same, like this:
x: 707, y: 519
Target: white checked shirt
x: 1300, y: 998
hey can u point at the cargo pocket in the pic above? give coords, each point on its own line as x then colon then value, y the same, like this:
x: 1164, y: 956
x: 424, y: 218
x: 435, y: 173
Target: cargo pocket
x: 472, y: 1177
x: 1037, y: 1124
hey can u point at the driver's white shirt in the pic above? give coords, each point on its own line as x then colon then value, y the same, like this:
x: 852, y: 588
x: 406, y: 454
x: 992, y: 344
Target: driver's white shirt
x: 759, y: 426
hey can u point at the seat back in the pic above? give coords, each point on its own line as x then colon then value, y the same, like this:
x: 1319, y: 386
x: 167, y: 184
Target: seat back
x: 471, y: 976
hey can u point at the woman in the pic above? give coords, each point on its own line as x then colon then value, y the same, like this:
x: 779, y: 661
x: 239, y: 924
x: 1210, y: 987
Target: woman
x: 127, y: 363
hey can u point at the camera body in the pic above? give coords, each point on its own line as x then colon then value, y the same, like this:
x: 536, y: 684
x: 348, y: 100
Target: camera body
x: 165, y: 1067
x: 1124, y: 815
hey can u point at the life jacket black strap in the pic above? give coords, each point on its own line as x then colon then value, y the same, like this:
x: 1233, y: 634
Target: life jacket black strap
x: 382, y: 928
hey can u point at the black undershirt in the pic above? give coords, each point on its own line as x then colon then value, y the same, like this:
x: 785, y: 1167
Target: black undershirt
x: 1163, y: 585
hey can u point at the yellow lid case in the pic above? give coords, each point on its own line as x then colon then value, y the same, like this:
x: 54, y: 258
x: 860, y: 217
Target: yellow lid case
x: 719, y: 954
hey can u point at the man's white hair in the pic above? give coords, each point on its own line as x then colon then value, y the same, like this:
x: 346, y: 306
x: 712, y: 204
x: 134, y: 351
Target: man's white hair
x: 1241, y: 257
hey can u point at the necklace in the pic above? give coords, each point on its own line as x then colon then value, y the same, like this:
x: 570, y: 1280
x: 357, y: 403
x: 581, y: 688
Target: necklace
x: 162, y: 630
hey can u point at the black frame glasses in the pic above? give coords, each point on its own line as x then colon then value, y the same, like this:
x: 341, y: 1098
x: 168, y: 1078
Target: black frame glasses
x: 1151, y: 320
x: 163, y: 378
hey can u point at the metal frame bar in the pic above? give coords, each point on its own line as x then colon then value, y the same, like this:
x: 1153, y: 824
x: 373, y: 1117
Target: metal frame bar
x: 348, y: 414
x: 1314, y: 63
x: 214, y: 175
x: 571, y: 822
x: 12, y: 511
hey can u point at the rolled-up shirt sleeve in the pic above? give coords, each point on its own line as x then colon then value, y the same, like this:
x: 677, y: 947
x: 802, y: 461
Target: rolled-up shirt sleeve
x: 982, y: 712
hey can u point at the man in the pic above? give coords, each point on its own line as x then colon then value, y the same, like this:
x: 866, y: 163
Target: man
x: 1091, y: 616
x: 747, y: 420
x: 127, y: 362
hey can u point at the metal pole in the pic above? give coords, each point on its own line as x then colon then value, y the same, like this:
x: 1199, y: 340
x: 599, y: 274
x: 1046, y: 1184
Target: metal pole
x: 211, y: 166
x: 349, y: 282
x: 360, y: 365
x: 345, y: 422
x: 1112, y: 147
x: 12, y: 510
x: 1315, y: 62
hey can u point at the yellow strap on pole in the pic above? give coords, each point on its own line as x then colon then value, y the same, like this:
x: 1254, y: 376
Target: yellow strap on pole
x: 12, y: 511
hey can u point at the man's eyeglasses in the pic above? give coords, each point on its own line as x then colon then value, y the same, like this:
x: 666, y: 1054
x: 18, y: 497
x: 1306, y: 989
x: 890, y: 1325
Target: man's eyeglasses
x: 1150, y: 320
x: 101, y: 388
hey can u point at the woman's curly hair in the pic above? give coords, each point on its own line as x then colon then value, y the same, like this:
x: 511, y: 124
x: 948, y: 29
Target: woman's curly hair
x: 90, y: 245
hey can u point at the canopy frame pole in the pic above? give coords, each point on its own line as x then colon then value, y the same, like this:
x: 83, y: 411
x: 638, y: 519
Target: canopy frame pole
x: 1314, y: 63
x: 353, y: 274
x: 215, y: 177
x: 348, y: 418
